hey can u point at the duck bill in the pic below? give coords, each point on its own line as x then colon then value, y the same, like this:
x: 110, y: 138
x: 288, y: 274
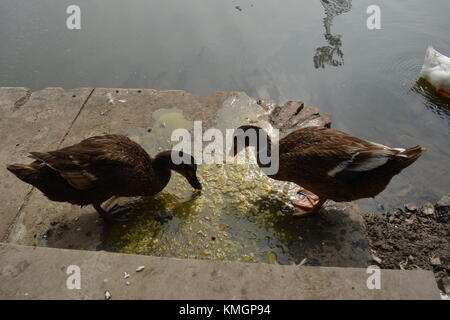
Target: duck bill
x: 193, y: 181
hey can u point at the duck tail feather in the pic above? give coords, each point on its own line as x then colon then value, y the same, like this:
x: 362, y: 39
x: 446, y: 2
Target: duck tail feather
x: 407, y: 157
x: 24, y: 172
x: 413, y: 153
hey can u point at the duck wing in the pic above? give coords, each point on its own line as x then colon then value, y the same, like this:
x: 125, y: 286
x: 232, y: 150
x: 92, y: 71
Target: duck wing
x: 92, y: 162
x: 334, y: 153
x: 362, y: 161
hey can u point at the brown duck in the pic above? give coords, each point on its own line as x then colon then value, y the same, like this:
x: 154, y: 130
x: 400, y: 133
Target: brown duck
x: 330, y: 164
x: 101, y: 167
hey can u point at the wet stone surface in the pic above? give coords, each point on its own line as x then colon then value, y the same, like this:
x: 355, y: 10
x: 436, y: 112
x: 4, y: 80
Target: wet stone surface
x: 294, y: 115
x: 240, y: 214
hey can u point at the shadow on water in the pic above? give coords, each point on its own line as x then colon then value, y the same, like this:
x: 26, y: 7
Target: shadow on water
x: 331, y: 54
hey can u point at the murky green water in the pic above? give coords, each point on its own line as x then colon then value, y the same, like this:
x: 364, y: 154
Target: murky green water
x: 233, y: 218
x: 318, y: 51
x: 240, y: 214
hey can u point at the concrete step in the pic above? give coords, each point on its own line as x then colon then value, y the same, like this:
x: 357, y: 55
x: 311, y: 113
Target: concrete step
x: 41, y: 273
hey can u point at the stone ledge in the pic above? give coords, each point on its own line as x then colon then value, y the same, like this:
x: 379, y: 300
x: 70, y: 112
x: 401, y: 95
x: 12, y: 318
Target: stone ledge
x: 40, y: 273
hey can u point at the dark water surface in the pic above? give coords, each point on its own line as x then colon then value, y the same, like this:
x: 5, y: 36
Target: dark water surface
x: 317, y: 51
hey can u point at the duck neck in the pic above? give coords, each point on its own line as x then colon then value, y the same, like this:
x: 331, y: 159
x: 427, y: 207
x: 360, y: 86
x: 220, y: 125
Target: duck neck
x: 163, y: 161
x: 161, y: 166
x: 263, y: 147
x: 263, y: 143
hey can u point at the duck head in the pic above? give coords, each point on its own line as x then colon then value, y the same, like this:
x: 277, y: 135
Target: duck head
x: 180, y: 162
x: 246, y: 136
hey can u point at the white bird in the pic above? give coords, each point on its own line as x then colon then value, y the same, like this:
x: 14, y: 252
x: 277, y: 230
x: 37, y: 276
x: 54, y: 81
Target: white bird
x: 436, y: 69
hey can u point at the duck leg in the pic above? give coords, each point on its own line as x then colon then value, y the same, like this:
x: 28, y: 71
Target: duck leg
x: 108, y: 216
x: 307, y: 193
x: 308, y: 206
x: 101, y: 212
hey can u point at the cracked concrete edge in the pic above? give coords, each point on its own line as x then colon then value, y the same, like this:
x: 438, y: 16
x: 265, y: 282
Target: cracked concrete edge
x: 41, y: 273
x: 18, y: 103
x: 17, y: 98
x: 12, y: 232
x: 76, y: 118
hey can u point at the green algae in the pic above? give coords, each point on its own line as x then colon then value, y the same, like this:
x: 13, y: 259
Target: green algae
x: 239, y: 215
x: 156, y: 137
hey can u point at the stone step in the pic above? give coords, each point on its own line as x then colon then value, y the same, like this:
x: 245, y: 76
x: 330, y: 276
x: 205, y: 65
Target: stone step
x: 41, y: 273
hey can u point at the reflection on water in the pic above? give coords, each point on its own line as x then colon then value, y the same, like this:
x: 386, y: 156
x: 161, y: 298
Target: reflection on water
x: 331, y: 54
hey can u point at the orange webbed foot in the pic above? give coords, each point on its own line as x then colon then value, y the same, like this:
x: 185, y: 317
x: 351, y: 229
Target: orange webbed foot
x: 308, y: 206
x: 444, y: 94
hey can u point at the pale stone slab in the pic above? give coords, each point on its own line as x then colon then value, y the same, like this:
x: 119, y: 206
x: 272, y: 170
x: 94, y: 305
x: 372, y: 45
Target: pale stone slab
x: 40, y: 273
x: 35, y: 121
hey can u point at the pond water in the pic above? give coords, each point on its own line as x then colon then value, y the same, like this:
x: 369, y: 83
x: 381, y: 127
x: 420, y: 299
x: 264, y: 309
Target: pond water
x: 319, y: 51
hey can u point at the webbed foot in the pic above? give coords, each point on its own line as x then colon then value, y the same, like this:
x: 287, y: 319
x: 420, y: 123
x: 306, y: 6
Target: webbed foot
x: 309, y: 205
x: 113, y: 214
x: 444, y: 94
